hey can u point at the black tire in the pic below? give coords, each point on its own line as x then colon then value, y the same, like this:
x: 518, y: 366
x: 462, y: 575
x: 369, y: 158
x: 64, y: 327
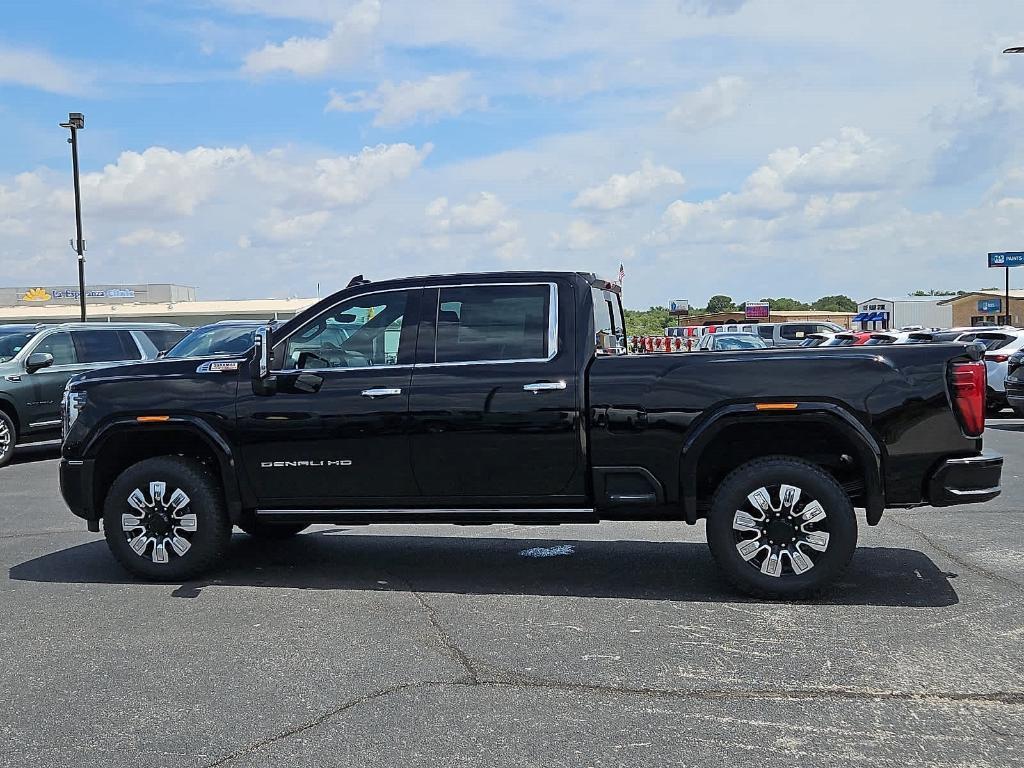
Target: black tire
x: 272, y: 531
x: 8, y: 438
x: 207, y: 542
x: 838, y: 522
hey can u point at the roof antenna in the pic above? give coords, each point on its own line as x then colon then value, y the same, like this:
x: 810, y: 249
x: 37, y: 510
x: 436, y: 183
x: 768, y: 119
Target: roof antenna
x: 357, y: 280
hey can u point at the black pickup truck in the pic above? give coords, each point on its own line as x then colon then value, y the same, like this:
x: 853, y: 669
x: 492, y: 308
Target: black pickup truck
x: 487, y: 398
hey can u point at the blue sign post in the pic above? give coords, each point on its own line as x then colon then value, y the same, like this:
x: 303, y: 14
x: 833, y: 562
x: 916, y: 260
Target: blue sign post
x: 1007, y: 259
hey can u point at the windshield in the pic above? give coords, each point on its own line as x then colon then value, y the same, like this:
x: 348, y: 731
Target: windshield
x: 12, y: 343
x: 738, y: 342
x: 989, y: 340
x: 215, y: 341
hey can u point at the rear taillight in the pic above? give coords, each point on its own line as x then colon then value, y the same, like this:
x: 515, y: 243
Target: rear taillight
x: 967, y: 382
x: 996, y: 357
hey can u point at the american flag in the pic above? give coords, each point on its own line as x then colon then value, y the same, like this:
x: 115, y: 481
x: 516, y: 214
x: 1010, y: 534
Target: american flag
x: 622, y: 274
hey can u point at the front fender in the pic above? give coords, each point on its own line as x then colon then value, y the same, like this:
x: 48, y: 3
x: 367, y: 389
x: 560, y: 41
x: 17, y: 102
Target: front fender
x: 192, y: 425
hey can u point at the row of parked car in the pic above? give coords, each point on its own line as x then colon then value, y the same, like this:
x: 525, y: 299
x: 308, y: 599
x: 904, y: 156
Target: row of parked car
x: 37, y: 361
x: 1004, y: 351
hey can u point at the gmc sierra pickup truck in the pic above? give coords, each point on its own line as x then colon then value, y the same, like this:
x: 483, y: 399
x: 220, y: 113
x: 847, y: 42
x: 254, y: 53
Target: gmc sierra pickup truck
x: 505, y: 398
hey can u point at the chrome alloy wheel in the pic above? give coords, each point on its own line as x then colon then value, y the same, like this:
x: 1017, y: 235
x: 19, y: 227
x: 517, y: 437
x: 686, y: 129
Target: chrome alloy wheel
x: 5, y: 438
x: 782, y: 532
x: 162, y: 525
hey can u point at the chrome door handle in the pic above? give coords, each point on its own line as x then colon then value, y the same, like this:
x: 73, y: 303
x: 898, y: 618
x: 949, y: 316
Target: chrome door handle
x: 381, y: 392
x: 543, y: 386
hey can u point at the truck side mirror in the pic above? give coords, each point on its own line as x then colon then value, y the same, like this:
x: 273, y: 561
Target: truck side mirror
x: 263, y: 383
x: 38, y: 360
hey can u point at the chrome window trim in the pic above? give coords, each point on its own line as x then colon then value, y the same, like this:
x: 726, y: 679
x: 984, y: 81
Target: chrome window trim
x: 552, y: 335
x: 342, y: 370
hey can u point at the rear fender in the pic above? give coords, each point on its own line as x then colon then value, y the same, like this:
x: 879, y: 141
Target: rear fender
x: 869, y: 454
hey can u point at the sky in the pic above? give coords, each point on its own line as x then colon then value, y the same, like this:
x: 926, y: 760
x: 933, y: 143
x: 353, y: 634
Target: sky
x: 258, y: 148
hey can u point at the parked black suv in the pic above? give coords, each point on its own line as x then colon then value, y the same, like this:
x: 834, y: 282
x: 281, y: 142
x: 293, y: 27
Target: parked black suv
x: 36, y: 362
x: 505, y: 398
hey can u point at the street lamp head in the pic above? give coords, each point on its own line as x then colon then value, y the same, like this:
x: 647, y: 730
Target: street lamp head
x: 1015, y: 49
x: 76, y: 120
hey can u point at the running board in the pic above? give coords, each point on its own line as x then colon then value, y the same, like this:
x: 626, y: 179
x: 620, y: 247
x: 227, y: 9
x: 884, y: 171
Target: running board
x: 461, y: 516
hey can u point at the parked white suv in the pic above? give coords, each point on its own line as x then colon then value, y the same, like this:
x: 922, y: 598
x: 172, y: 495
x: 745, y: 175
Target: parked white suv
x: 999, y: 345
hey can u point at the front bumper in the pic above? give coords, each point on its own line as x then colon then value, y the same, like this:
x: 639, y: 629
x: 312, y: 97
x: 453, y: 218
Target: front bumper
x: 1015, y: 392
x: 965, y: 481
x: 76, y: 488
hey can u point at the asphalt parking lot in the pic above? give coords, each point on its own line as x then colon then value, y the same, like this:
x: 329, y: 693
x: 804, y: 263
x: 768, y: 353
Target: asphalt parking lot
x: 442, y: 645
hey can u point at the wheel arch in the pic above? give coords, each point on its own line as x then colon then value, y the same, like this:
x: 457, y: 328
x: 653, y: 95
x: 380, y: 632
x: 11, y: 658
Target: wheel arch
x: 8, y: 406
x: 798, y: 430
x: 121, y: 443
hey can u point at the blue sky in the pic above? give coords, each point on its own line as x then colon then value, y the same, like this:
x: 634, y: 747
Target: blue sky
x: 255, y: 148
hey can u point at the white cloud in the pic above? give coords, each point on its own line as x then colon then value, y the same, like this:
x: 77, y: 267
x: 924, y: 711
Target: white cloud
x: 347, y: 43
x: 152, y: 237
x: 480, y: 214
x: 427, y: 100
x: 712, y: 104
x: 580, y: 235
x: 279, y: 227
x: 834, y: 182
x: 160, y: 180
x: 36, y: 69
x: 621, y: 190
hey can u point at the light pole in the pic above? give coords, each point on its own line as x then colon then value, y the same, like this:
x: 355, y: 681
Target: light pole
x: 75, y: 123
x: 1009, y: 317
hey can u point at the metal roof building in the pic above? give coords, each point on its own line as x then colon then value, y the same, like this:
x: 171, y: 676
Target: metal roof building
x: 878, y: 314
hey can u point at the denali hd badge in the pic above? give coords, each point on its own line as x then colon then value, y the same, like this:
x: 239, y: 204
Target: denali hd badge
x: 304, y: 463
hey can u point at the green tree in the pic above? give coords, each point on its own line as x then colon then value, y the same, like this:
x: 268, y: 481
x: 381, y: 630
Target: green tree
x: 650, y: 322
x: 721, y: 303
x: 785, y: 304
x: 838, y: 303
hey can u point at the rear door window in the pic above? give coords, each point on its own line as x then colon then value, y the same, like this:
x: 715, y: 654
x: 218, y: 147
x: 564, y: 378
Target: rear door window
x: 608, y: 317
x: 103, y: 346
x: 495, y: 322
x: 795, y: 331
x: 765, y: 331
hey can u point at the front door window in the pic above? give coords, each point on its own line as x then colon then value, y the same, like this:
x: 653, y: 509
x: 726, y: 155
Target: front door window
x: 359, y: 333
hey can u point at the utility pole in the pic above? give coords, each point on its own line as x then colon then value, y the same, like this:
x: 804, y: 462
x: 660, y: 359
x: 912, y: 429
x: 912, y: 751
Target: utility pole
x: 75, y: 123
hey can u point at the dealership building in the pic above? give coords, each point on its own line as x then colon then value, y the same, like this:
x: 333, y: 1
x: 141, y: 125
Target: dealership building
x: 146, y: 302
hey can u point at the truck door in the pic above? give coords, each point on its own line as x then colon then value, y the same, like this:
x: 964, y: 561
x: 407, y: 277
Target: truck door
x: 335, y: 434
x: 495, y: 405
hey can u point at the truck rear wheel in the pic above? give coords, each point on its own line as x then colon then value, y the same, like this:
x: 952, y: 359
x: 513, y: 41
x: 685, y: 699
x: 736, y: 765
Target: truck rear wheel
x: 781, y: 528
x: 164, y: 519
x: 272, y: 531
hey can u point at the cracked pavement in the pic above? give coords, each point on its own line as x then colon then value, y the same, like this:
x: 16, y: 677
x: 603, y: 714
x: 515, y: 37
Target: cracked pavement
x: 444, y: 646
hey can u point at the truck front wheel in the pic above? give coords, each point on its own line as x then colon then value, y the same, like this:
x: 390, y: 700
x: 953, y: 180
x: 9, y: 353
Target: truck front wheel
x: 781, y: 528
x: 164, y: 519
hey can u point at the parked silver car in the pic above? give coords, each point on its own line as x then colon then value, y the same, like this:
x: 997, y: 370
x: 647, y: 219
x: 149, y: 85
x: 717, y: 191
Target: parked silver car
x: 792, y: 334
x: 36, y: 362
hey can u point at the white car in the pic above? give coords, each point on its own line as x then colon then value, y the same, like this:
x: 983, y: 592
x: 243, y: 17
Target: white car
x: 887, y: 337
x: 999, y: 345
